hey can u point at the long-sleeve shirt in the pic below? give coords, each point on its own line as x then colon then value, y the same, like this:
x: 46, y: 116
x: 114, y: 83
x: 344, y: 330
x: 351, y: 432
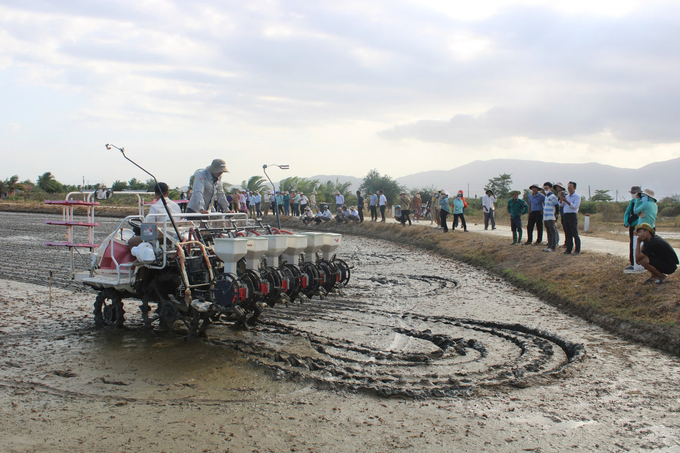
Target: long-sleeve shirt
x: 574, y: 202
x: 458, y: 205
x: 206, y: 189
x: 444, y: 204
x: 629, y: 210
x: 536, y: 201
x: 650, y: 209
x: 383, y: 200
x: 487, y: 203
x: 339, y: 199
x: 549, y: 206
x: 518, y: 207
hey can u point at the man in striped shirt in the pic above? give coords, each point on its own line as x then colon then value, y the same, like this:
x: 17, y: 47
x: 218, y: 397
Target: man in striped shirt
x: 550, y: 213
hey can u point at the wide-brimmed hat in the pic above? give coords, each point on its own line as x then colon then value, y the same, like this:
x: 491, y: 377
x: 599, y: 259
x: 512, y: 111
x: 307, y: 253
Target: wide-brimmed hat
x: 217, y: 166
x: 649, y: 193
x: 535, y: 185
x: 559, y: 184
x: 489, y: 190
x: 307, y: 208
x: 514, y: 192
x: 337, y: 192
x: 645, y: 226
x: 636, y: 189
x: 460, y: 195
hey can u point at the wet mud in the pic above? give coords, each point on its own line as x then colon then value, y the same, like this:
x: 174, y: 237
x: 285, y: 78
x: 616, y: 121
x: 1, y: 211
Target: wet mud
x: 416, y: 353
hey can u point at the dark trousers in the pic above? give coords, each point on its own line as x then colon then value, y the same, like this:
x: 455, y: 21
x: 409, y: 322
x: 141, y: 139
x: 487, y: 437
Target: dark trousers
x: 516, y: 223
x: 443, y: 215
x: 405, y: 217
x: 570, y: 222
x: 631, y: 250
x: 258, y: 213
x: 361, y: 213
x: 462, y: 221
x: 489, y: 216
x: 382, y: 213
x: 553, y: 234
x: 535, y: 218
x: 374, y: 212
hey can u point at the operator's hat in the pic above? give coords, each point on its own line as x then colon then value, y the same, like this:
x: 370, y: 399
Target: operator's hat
x: 645, y: 226
x: 649, y: 193
x: 218, y: 166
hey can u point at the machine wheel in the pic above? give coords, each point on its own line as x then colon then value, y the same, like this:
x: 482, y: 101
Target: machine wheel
x: 108, y: 309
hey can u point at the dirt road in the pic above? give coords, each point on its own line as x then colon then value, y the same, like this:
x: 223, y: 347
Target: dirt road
x: 419, y: 354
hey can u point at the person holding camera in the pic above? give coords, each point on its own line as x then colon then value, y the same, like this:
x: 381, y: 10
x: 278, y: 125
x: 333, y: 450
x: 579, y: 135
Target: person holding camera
x: 571, y: 202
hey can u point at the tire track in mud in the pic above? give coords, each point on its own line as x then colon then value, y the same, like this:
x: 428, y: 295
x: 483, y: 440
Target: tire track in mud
x: 373, y: 336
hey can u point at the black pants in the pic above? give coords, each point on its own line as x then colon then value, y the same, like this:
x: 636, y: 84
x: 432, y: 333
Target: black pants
x: 374, y: 212
x: 553, y: 234
x: 361, y: 213
x: 382, y: 213
x: 405, y: 217
x: 489, y: 216
x: 258, y: 213
x: 631, y: 250
x: 442, y: 215
x: 462, y: 221
x: 570, y: 222
x: 535, y: 218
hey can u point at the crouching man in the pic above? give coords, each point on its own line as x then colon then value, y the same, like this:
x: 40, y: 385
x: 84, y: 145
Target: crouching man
x: 654, y: 254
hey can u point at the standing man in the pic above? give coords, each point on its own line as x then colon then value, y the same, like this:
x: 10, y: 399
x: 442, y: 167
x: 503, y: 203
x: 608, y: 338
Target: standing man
x: 559, y: 187
x: 488, y: 207
x: 536, y: 201
x: 654, y: 254
x: 360, y: 206
x: 339, y: 200
x: 373, y: 204
x: 208, y: 188
x: 312, y: 200
x: 304, y: 202
x: 571, y: 202
x: 444, y: 210
x: 550, y: 209
x: 382, y: 202
x: 630, y: 219
x: 258, y: 204
x: 516, y: 208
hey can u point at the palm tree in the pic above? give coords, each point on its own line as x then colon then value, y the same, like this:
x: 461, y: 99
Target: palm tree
x: 47, y: 183
x: 254, y: 183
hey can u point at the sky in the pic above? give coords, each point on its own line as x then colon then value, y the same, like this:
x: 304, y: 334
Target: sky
x: 332, y: 87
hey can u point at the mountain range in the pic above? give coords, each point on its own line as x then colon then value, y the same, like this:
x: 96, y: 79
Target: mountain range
x: 661, y: 177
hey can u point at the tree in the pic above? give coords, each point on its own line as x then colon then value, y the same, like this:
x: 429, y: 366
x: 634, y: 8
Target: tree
x: 119, y: 185
x: 375, y: 182
x: 47, y: 183
x: 500, y: 185
x: 254, y: 183
x: 601, y: 195
x: 301, y: 185
x: 133, y: 184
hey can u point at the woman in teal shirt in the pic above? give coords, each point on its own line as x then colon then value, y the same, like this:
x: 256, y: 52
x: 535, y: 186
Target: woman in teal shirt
x: 458, y: 213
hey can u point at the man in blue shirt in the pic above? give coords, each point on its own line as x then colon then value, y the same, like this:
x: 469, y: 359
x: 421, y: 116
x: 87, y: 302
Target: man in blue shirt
x: 373, y: 204
x: 571, y: 202
x: 536, y: 200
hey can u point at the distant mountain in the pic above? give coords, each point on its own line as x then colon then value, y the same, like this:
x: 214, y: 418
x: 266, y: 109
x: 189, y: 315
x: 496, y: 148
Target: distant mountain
x: 662, y: 177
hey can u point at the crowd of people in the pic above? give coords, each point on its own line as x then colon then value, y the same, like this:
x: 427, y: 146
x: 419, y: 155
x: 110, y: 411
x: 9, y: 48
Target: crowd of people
x: 546, y: 205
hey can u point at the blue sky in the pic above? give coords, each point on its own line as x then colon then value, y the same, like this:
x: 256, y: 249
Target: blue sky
x: 333, y: 87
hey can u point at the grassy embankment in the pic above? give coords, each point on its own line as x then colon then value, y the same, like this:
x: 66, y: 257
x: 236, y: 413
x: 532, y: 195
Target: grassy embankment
x: 590, y: 286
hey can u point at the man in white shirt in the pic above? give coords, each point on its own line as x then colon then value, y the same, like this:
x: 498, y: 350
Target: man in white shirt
x: 571, y: 202
x: 339, y: 200
x: 157, y: 212
x: 382, y: 202
x: 488, y: 207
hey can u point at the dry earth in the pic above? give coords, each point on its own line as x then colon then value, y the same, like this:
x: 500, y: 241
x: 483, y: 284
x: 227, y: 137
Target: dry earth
x: 487, y: 367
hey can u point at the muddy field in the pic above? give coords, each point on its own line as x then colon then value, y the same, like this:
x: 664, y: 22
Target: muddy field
x: 418, y: 353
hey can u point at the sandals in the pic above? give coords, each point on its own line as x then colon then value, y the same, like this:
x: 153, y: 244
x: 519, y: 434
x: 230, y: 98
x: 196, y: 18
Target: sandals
x: 648, y: 281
